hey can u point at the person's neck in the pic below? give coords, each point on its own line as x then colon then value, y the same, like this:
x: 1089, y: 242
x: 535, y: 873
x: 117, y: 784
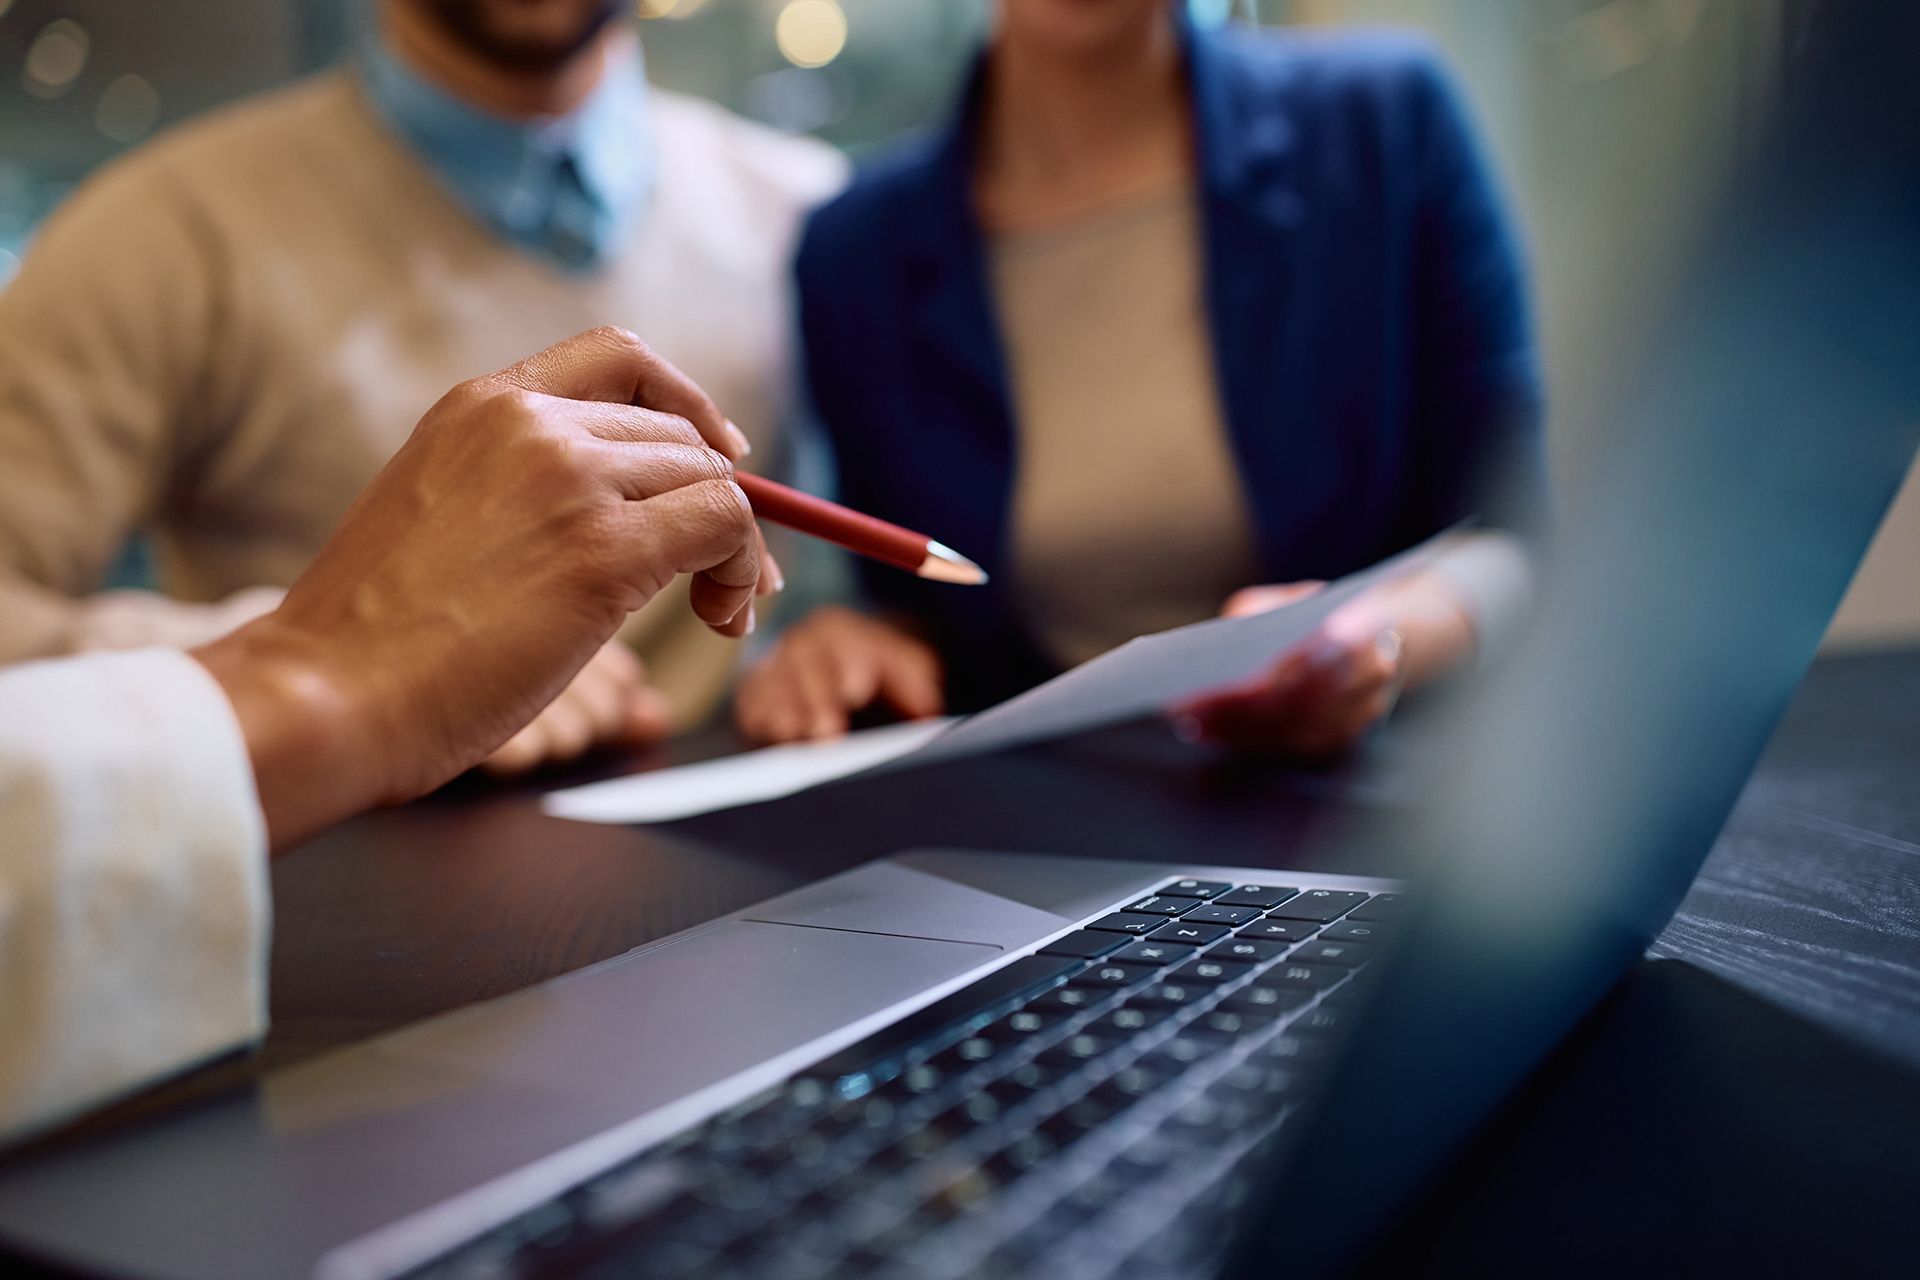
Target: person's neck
x: 415, y: 38
x: 1062, y: 137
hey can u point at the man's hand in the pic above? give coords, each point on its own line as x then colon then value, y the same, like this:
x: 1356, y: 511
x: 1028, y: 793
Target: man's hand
x: 830, y: 665
x: 609, y: 704
x: 529, y: 513
x: 1320, y: 699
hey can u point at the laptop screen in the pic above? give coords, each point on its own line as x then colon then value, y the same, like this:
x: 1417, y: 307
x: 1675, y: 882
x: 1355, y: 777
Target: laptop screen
x: 1775, y: 414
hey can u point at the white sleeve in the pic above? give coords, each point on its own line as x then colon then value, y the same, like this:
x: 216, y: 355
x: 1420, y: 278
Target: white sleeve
x: 134, y: 911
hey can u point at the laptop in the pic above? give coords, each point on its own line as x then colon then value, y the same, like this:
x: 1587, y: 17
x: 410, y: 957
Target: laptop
x: 954, y: 1063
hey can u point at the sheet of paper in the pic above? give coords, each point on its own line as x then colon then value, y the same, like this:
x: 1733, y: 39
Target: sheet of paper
x: 1137, y: 679
x: 748, y: 778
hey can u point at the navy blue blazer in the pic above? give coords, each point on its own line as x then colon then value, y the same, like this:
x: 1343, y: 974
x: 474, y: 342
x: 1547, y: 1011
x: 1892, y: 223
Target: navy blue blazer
x: 1368, y: 317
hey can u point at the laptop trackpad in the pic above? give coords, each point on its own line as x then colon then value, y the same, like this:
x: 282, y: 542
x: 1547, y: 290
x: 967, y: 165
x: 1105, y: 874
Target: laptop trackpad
x: 649, y: 1028
x: 886, y: 897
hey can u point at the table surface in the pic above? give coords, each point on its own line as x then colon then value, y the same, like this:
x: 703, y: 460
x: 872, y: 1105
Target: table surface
x: 1802, y: 933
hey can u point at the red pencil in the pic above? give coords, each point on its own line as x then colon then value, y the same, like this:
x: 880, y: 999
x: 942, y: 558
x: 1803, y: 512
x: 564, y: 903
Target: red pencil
x: 863, y: 534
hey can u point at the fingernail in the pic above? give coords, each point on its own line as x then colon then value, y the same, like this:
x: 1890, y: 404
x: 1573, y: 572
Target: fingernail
x: 779, y: 578
x: 740, y: 442
x: 752, y: 621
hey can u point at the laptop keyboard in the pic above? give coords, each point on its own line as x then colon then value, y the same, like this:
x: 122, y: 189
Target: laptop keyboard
x: 1079, y: 1112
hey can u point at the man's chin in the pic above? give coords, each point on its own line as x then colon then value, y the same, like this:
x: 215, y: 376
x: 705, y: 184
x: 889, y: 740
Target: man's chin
x: 520, y: 45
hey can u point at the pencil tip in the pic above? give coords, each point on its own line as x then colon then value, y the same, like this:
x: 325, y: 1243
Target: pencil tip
x: 944, y: 564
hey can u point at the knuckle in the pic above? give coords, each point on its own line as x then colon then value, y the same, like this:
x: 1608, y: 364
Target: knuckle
x: 561, y: 458
x: 726, y: 505
x: 677, y: 430
x: 475, y: 402
x: 509, y: 409
x: 620, y: 339
x: 714, y: 468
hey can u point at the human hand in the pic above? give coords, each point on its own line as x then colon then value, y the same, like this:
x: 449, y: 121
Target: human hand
x: 528, y: 514
x: 609, y: 704
x: 830, y: 665
x: 1321, y: 698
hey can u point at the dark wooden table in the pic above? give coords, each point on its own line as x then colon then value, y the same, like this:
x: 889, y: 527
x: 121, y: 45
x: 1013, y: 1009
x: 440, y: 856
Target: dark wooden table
x: 1794, y: 963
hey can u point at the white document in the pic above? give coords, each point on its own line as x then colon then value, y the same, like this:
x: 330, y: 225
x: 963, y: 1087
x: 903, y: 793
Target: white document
x: 1139, y: 678
x: 748, y: 778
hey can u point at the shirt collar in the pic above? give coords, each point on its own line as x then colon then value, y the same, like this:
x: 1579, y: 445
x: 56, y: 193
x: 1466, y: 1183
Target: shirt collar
x: 566, y: 186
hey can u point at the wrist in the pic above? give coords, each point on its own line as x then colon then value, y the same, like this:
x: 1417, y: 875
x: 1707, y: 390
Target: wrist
x: 307, y: 735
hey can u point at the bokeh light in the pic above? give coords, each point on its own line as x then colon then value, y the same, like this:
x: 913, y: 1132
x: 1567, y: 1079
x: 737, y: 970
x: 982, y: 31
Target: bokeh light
x: 56, y: 58
x: 128, y: 110
x: 811, y: 33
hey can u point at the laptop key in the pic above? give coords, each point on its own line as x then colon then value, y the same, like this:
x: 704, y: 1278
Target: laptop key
x: 1175, y: 1056
x: 1206, y: 971
x: 1319, y: 904
x: 965, y: 1055
x: 1217, y: 913
x: 1028, y: 974
x: 1077, y: 1119
x: 1172, y: 995
x: 1113, y: 975
x: 1072, y: 1052
x: 1316, y: 976
x: 1196, y: 888
x: 1246, y: 951
x: 1129, y: 1084
x: 1068, y: 1000
x: 1227, y: 1024
x: 1350, y: 954
x: 1086, y: 944
x: 1263, y: 1001
x: 1021, y: 1155
x: 1192, y: 935
x: 1347, y: 931
x: 1127, y: 1020
x: 1018, y: 1085
x: 1161, y: 905
x: 1123, y: 922
x: 1150, y: 952
x: 1294, y: 1050
x: 1278, y: 930
x: 1021, y: 1024
x: 1263, y: 896
x: 1382, y: 906
x: 1323, y: 1021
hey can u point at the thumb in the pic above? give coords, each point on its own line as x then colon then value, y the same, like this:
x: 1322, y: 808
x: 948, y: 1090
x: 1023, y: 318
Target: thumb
x: 1261, y: 599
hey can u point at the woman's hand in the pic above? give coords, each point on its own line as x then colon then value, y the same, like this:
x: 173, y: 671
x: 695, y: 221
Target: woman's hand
x: 830, y: 665
x: 609, y: 704
x: 1323, y: 696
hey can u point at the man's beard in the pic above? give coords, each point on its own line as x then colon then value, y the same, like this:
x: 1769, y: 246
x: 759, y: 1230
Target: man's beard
x: 467, y: 21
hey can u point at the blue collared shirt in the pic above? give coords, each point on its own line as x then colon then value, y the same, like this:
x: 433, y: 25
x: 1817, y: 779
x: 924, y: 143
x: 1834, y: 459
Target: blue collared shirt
x: 567, y: 188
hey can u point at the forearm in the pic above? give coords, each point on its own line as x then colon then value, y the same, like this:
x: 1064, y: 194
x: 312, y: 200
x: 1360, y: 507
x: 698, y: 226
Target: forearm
x: 134, y: 935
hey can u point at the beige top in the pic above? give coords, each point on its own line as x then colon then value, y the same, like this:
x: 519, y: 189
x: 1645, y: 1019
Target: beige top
x: 222, y: 337
x: 1128, y: 514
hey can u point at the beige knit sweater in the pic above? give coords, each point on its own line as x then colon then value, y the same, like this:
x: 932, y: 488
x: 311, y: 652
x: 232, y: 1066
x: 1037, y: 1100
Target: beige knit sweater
x: 222, y: 337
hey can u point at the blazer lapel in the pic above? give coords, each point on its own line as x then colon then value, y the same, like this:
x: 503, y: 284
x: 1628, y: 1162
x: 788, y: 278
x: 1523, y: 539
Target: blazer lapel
x: 964, y: 376
x: 1251, y: 210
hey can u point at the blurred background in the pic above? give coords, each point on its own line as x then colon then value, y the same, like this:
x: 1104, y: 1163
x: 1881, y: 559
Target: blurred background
x: 1611, y: 119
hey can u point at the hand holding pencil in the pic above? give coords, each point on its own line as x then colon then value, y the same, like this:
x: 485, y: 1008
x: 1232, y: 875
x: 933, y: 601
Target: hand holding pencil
x: 862, y: 534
